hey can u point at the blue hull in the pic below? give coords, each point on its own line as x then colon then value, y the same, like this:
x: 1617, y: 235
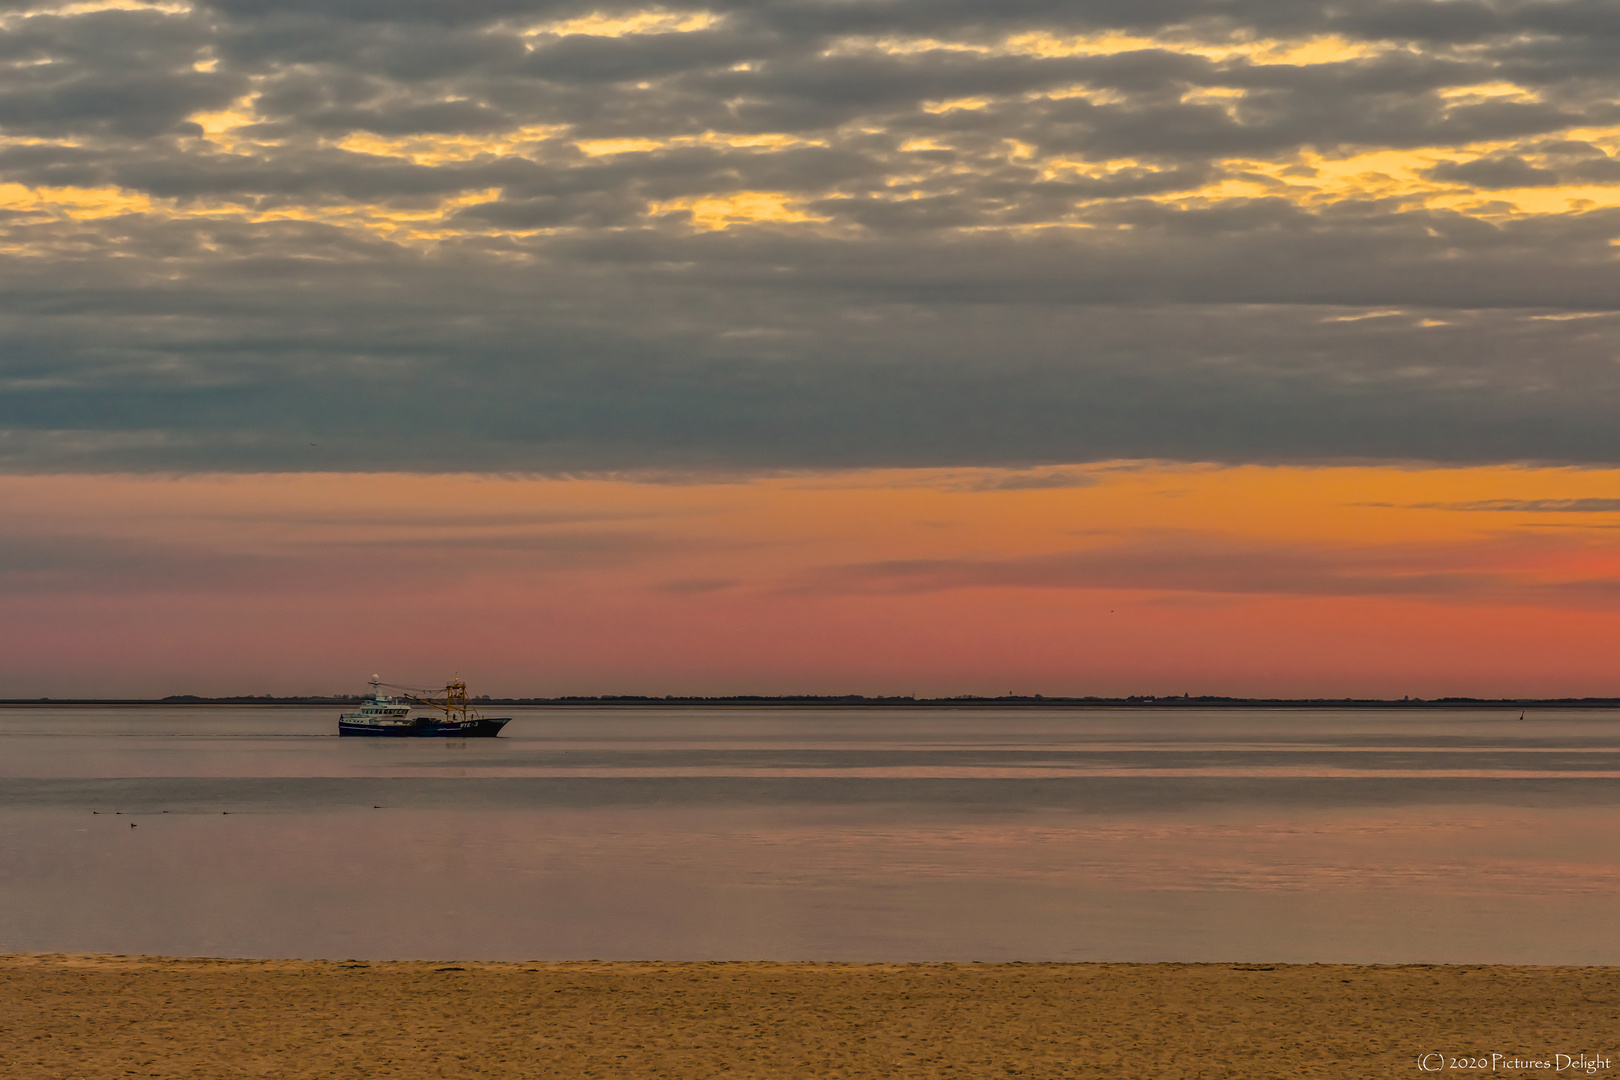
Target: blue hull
x: 428, y: 729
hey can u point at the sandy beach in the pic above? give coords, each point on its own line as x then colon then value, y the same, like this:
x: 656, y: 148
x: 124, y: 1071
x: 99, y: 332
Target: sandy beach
x: 99, y: 1016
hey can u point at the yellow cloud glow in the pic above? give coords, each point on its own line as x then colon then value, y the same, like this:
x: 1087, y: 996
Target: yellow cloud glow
x: 219, y: 127
x: 1547, y: 200
x: 607, y: 147
x: 431, y: 150
x: 78, y: 204
x: 1309, y: 179
x: 651, y: 21
x: 743, y: 208
x: 90, y: 7
x: 955, y: 103
x: 1494, y: 91
x: 604, y: 147
x: 1315, y: 50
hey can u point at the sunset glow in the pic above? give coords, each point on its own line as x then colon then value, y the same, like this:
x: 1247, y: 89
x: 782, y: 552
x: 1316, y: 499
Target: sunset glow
x: 1109, y: 579
x: 810, y: 347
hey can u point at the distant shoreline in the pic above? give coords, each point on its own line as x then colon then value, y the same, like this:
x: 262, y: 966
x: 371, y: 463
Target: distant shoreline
x: 854, y: 701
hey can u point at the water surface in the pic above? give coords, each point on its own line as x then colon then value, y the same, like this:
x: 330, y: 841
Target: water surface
x: 907, y: 834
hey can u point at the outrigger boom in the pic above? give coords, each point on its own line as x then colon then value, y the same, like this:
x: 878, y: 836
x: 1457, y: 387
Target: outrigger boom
x: 454, y: 703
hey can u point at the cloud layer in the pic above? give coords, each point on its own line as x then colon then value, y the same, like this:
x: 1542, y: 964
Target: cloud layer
x: 551, y: 236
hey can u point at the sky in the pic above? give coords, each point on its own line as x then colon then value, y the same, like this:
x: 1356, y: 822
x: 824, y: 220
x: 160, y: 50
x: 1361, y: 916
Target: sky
x: 1259, y: 347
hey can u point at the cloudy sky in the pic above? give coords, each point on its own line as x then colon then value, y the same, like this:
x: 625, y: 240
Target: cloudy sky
x: 886, y: 346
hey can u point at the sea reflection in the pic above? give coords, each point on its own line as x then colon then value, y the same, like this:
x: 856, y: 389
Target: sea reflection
x: 817, y: 834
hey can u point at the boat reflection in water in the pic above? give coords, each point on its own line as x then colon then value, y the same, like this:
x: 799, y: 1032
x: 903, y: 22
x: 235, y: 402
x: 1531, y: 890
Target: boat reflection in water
x: 383, y: 714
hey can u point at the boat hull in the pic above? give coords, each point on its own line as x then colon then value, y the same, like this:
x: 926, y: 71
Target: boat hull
x: 483, y: 728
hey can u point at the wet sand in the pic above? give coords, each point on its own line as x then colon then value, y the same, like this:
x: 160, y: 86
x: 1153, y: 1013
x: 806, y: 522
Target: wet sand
x: 96, y: 1016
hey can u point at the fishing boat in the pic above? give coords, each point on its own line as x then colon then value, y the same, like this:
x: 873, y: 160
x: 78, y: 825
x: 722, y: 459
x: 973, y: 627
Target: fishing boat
x: 384, y: 714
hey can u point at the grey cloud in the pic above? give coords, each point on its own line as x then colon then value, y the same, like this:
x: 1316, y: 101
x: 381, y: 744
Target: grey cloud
x: 1604, y: 171
x: 462, y: 13
x: 1508, y: 171
x: 939, y: 352
x: 1536, y: 506
x: 1185, y: 564
x: 446, y: 517
x: 593, y: 59
x: 794, y: 86
x: 1214, y: 566
x: 1458, y: 22
x: 119, y: 73
x: 318, y: 175
x: 1412, y: 20
x: 65, y: 565
x: 1039, y: 481
x: 137, y: 107
x: 549, y: 211
x: 1586, y: 18
x: 438, y: 118
x: 68, y: 564
x: 962, y: 297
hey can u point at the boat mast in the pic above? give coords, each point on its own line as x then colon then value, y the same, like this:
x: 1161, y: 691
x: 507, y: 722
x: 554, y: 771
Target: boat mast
x: 455, y: 698
x: 455, y: 701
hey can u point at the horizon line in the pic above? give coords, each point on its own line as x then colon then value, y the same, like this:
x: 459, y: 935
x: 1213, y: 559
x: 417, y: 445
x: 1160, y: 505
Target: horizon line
x: 859, y: 700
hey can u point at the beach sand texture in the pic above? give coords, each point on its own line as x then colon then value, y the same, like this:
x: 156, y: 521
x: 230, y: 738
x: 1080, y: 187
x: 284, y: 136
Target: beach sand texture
x: 95, y: 1016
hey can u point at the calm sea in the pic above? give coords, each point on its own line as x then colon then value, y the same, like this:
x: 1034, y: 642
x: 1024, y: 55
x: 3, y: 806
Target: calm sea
x: 916, y: 834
